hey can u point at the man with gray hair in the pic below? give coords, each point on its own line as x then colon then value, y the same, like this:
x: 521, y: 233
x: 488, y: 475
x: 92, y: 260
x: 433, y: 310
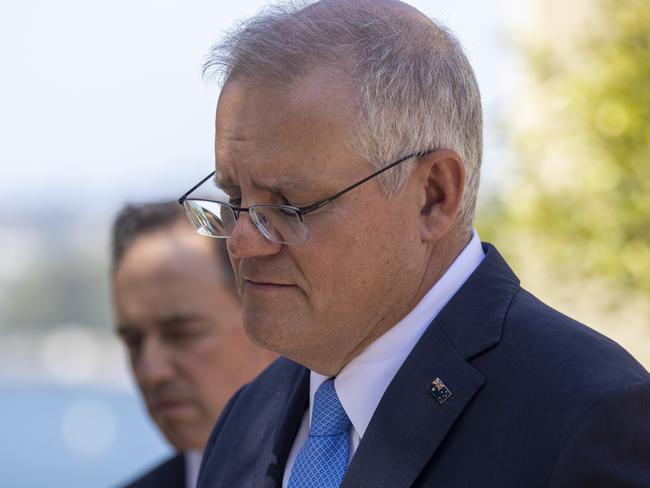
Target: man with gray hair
x: 348, y: 149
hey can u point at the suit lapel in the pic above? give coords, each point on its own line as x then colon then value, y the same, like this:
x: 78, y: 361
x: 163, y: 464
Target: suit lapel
x: 290, y: 405
x: 410, y: 422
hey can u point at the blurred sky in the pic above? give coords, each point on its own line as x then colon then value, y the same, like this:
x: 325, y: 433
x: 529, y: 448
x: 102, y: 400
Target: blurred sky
x: 102, y: 102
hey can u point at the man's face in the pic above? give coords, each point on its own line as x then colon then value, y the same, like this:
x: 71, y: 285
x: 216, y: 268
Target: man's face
x: 322, y: 301
x: 182, y: 327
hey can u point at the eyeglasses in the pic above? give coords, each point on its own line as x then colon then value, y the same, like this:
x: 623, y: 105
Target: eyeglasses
x: 282, y: 224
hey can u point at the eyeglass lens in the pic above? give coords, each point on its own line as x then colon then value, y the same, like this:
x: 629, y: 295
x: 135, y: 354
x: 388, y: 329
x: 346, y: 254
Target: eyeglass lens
x: 278, y: 224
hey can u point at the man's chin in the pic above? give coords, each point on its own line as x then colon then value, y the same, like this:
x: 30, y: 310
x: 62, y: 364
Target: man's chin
x: 183, y: 435
x: 264, y: 332
x: 175, y: 419
x: 172, y: 410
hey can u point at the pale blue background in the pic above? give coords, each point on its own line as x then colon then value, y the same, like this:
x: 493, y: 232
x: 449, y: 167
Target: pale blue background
x: 34, y: 451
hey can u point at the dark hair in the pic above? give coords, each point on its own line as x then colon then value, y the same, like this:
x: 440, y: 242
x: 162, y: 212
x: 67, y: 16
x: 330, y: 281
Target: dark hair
x: 133, y: 221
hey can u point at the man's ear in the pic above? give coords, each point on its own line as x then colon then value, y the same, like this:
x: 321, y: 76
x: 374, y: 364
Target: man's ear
x: 441, y: 179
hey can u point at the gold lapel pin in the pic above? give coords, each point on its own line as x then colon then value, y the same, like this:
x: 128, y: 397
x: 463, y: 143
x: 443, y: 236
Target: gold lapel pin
x: 439, y: 391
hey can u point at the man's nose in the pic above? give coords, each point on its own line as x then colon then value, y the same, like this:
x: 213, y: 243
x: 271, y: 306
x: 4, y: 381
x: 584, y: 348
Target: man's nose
x: 154, y: 364
x: 246, y: 240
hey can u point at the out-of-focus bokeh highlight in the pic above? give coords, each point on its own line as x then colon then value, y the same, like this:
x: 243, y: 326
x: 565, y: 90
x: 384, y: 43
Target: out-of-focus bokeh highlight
x: 103, y: 104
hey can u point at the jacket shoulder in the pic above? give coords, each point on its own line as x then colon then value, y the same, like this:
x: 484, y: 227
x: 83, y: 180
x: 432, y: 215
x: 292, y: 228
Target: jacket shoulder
x: 565, y: 396
x: 575, y: 358
x: 169, y: 474
x: 565, y: 340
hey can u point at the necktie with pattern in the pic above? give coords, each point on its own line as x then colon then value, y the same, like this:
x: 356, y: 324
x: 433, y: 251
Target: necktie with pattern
x: 323, y: 459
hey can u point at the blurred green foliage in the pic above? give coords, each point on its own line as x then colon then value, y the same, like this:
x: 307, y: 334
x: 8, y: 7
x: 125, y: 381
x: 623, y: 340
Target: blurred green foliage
x: 583, y: 149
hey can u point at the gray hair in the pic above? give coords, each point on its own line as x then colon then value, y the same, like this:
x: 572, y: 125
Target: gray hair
x: 415, y: 88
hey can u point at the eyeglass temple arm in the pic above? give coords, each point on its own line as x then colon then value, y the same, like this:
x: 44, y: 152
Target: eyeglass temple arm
x: 182, y: 198
x: 318, y: 205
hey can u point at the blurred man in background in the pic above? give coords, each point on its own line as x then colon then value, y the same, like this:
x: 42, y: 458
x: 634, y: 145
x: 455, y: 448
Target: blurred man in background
x: 178, y: 314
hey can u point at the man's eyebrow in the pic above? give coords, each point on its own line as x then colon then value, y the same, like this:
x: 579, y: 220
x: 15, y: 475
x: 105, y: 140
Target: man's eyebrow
x: 177, y: 319
x: 279, y: 183
x: 170, y: 321
x: 123, y: 329
x: 224, y: 183
x: 286, y: 184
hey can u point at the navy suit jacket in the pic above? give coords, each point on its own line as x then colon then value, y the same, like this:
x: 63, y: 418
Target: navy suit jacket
x: 537, y: 400
x: 169, y: 474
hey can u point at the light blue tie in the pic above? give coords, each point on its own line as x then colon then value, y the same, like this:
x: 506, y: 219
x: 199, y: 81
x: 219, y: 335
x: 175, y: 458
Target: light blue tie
x: 323, y: 459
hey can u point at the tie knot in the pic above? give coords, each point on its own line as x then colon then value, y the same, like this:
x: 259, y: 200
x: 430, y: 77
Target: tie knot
x: 329, y: 417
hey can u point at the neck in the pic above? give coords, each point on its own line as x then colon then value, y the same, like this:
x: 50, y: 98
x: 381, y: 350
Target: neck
x: 440, y: 256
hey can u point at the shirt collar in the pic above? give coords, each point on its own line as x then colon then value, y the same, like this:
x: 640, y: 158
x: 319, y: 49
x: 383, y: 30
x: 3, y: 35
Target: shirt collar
x: 192, y: 465
x: 363, y: 381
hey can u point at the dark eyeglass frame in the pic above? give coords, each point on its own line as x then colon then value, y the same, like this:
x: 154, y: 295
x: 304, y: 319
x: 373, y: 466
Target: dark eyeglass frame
x: 302, y: 211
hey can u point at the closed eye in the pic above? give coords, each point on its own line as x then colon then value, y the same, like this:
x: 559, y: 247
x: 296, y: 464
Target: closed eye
x: 131, y: 339
x: 284, y: 200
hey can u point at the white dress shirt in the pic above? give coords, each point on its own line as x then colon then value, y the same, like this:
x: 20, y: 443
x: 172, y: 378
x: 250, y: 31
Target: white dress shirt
x: 363, y: 381
x: 192, y: 465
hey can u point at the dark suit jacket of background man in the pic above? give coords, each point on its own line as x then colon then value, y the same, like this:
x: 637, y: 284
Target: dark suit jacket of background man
x: 170, y: 474
x: 538, y: 400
